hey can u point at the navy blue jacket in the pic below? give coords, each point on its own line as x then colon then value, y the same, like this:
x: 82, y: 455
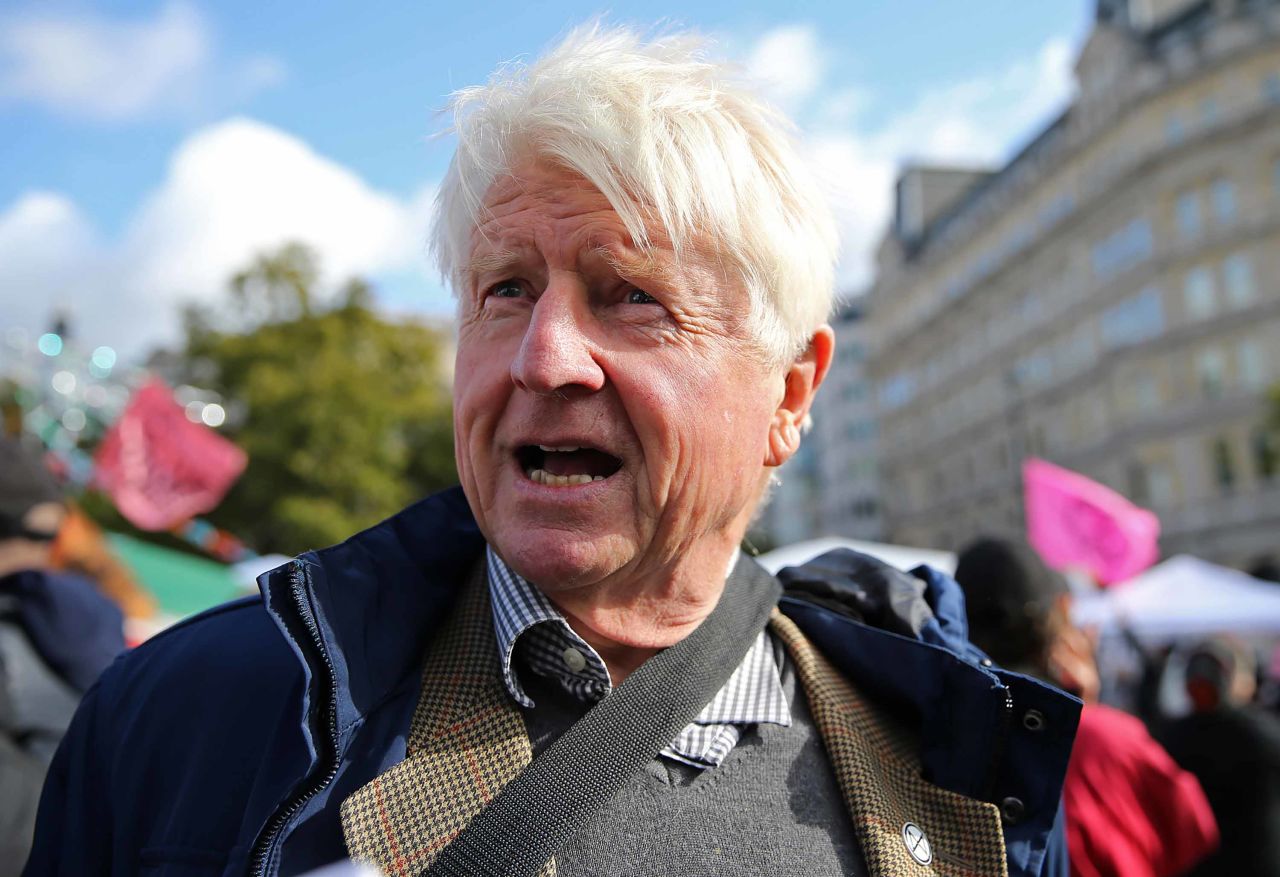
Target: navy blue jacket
x: 227, y: 743
x: 76, y: 630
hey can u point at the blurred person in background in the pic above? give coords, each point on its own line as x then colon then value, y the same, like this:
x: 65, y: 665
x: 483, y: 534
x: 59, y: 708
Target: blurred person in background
x: 81, y: 549
x: 644, y: 269
x: 1233, y: 747
x: 57, y: 634
x: 1130, y: 810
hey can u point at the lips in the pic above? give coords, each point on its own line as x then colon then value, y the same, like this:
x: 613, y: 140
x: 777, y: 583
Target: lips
x: 565, y: 465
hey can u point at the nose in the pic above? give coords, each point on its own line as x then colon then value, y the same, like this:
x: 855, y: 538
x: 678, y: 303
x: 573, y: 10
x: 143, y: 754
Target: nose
x: 556, y: 353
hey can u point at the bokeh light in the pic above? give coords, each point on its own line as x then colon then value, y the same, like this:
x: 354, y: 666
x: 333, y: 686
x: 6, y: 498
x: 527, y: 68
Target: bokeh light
x: 73, y: 419
x: 104, y: 358
x: 64, y: 382
x: 50, y: 344
x: 213, y: 415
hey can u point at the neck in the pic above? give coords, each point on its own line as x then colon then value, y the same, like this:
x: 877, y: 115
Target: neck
x: 630, y: 620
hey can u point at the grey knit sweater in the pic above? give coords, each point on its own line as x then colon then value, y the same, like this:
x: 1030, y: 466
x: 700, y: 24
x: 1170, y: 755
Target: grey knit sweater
x: 772, y: 806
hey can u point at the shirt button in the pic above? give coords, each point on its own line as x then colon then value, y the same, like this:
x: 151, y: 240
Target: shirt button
x: 1012, y: 810
x: 1033, y: 720
x: 574, y: 659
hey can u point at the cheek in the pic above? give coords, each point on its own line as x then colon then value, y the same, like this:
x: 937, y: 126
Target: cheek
x: 481, y: 385
x: 702, y: 432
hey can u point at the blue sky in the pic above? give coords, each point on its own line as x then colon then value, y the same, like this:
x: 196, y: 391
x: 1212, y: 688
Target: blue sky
x: 147, y: 149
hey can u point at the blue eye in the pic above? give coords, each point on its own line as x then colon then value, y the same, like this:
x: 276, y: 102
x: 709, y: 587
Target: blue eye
x: 506, y: 289
x: 640, y: 297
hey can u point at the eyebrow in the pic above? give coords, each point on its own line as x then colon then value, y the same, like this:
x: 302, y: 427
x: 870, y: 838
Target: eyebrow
x: 498, y: 261
x: 642, y: 267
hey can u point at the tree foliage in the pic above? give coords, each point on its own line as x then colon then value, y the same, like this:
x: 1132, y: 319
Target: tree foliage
x: 345, y: 415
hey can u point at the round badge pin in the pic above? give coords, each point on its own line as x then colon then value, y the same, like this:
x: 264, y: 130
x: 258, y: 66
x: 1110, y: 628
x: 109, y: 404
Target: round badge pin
x: 917, y: 844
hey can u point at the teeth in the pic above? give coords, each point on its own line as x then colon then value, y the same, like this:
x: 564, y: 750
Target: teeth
x: 564, y: 450
x: 542, y: 476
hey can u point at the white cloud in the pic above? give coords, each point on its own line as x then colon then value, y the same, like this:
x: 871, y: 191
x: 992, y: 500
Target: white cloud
x: 976, y: 121
x: 980, y: 119
x: 91, y: 66
x: 241, y: 187
x: 232, y: 190
x: 47, y: 248
x: 788, y: 62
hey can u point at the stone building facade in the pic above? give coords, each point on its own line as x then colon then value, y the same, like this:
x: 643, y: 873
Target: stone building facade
x: 1109, y: 300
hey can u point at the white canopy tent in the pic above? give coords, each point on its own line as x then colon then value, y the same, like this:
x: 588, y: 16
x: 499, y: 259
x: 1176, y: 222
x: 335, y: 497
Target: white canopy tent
x: 903, y: 557
x: 1184, y: 597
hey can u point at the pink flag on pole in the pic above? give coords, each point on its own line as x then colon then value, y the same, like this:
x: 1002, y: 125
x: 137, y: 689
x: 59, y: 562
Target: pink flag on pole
x: 1074, y: 521
x: 161, y: 469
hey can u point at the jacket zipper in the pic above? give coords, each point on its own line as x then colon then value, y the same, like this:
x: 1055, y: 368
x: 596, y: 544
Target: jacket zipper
x: 265, y: 849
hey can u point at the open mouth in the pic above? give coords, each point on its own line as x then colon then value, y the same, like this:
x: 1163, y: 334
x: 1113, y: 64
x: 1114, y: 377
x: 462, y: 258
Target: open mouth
x: 565, y: 466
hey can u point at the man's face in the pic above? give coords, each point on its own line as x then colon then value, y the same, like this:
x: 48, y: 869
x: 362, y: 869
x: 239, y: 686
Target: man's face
x: 611, y: 413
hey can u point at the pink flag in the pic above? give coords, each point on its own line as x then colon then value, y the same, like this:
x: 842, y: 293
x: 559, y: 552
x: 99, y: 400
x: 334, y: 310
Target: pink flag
x: 1074, y: 521
x: 160, y: 468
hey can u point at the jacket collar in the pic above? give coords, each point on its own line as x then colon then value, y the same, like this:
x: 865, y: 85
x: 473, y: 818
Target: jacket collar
x: 377, y: 598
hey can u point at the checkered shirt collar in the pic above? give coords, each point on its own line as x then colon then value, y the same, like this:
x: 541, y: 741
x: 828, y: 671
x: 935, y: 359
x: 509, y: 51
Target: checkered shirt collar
x: 523, y: 614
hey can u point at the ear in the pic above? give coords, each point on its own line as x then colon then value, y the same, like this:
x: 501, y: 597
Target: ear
x: 802, y: 379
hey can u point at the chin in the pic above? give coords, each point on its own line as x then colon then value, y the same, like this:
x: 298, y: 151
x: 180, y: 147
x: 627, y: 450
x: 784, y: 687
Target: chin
x: 557, y: 561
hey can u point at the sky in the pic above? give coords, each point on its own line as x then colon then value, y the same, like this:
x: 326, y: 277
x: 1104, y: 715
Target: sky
x: 150, y: 149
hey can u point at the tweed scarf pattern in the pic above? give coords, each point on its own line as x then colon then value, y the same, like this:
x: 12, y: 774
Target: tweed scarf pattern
x: 468, y: 740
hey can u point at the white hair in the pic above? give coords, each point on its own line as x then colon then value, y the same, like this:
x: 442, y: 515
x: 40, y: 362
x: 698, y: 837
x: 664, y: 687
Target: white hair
x: 655, y: 124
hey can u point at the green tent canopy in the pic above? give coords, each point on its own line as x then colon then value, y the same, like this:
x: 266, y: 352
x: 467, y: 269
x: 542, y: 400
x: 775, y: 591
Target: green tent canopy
x: 182, y: 584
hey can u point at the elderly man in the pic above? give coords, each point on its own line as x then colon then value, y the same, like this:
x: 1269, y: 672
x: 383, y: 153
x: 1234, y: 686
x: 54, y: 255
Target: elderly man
x: 566, y: 667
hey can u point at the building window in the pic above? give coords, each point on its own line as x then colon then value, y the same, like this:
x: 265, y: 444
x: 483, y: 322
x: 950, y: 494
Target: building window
x: 1271, y: 88
x: 1137, y: 478
x: 1251, y: 365
x: 1211, y: 368
x: 1187, y: 209
x: 897, y: 391
x: 1078, y: 349
x: 1266, y: 454
x: 1160, y: 486
x: 1223, y: 195
x: 1224, y: 469
x: 1199, y: 293
x: 1275, y: 178
x: 1140, y: 392
x: 1174, y: 132
x: 1237, y: 279
x: 1133, y: 320
x: 1033, y: 371
x: 1123, y: 249
x: 1209, y: 112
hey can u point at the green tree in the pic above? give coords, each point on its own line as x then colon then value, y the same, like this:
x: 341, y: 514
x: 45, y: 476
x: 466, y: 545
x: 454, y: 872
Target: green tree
x: 345, y: 415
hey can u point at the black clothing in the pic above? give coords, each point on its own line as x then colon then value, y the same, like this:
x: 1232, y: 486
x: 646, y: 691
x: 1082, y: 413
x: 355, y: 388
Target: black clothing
x: 1235, y: 753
